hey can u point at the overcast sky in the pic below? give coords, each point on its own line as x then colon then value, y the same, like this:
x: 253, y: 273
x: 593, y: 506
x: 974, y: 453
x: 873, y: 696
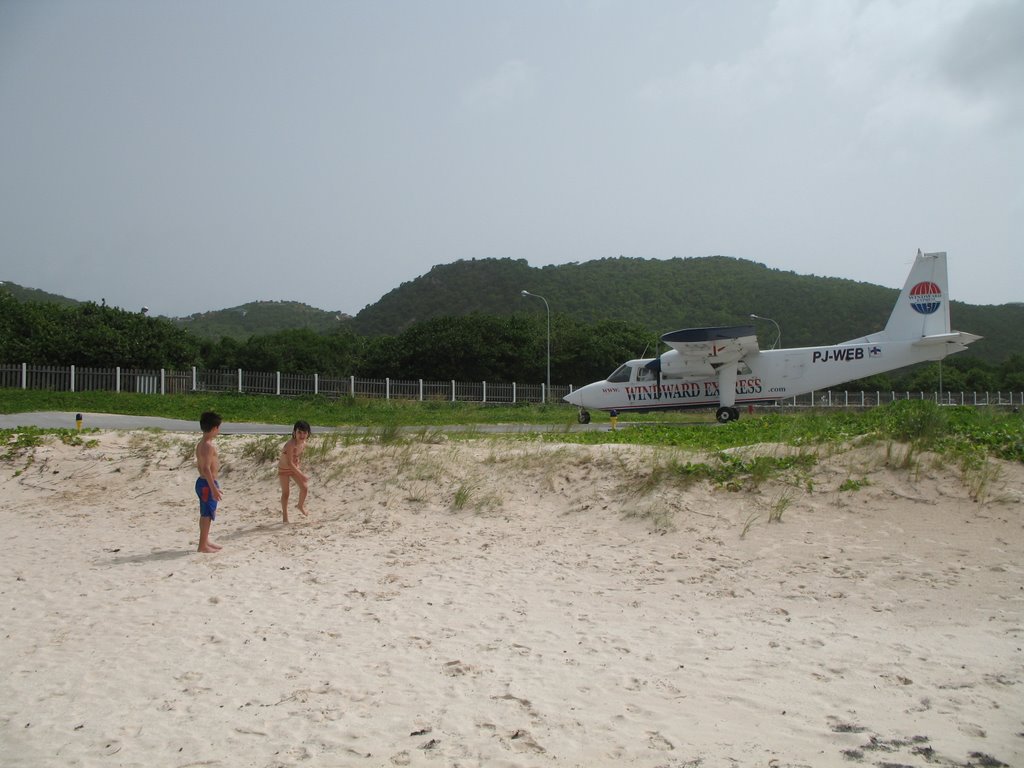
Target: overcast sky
x: 191, y: 155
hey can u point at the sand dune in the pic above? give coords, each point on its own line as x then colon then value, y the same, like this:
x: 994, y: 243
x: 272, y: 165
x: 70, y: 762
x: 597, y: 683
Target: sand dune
x: 508, y: 603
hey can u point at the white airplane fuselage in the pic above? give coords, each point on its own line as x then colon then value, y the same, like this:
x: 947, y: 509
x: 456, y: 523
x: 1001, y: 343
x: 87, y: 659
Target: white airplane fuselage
x: 765, y: 376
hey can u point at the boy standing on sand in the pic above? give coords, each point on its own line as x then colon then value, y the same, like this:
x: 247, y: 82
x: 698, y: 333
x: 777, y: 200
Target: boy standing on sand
x: 288, y: 468
x: 207, y: 488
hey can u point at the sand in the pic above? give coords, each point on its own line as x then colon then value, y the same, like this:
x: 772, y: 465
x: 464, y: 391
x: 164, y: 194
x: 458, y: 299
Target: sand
x: 508, y: 603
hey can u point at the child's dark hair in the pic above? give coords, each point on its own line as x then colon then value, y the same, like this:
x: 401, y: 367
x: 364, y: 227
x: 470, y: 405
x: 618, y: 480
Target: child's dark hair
x: 301, y: 426
x: 209, y: 420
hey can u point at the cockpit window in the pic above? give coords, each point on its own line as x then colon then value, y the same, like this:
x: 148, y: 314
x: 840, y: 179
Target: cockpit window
x: 645, y: 374
x: 621, y: 375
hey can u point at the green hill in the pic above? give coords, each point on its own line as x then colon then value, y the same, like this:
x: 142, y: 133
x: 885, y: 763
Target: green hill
x: 22, y: 293
x: 259, y: 318
x: 662, y: 295
x: 666, y: 295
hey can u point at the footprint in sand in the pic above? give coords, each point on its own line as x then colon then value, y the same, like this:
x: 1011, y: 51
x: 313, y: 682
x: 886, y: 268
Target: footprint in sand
x: 656, y: 741
x: 523, y: 741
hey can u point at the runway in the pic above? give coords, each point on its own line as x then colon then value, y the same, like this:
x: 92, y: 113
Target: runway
x: 67, y: 419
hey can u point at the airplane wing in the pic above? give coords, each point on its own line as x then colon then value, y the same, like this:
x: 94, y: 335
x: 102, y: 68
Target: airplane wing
x: 713, y: 346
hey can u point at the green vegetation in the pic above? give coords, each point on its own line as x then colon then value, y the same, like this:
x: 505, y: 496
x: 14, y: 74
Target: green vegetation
x: 851, y: 484
x: 260, y: 318
x: 467, y: 321
x: 727, y: 471
x: 964, y: 432
x: 961, y: 431
x: 779, y: 505
x: 21, y: 293
x: 666, y: 294
x: 18, y: 445
x: 89, y: 335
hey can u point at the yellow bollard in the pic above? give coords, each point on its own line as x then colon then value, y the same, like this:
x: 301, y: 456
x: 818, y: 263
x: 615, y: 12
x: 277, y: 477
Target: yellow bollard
x: 613, y: 417
x: 78, y: 422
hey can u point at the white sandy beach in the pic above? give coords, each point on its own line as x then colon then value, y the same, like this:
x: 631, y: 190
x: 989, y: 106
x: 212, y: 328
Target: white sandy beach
x: 506, y: 603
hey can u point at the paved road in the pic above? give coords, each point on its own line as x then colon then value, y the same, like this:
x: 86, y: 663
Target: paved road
x: 66, y: 420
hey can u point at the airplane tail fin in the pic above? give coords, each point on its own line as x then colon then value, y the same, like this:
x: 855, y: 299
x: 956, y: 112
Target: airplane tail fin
x: 923, y: 306
x: 921, y: 314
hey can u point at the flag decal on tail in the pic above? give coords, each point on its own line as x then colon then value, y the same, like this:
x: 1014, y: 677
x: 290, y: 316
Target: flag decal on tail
x: 926, y: 297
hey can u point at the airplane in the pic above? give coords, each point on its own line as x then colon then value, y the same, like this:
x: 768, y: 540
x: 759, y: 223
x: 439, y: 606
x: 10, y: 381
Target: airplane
x: 723, y: 366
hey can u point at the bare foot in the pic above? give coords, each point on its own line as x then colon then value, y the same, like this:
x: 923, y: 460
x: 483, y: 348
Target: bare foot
x: 303, y: 511
x: 214, y: 547
x: 209, y: 549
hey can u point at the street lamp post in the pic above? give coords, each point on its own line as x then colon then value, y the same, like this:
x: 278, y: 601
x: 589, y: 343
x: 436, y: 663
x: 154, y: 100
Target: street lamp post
x: 547, y: 392
x: 778, y: 339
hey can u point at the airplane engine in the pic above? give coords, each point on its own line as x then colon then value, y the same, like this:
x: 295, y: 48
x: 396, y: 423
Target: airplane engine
x: 677, y: 365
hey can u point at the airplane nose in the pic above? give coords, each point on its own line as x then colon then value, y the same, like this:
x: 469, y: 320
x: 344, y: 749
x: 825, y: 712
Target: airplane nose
x: 575, y: 397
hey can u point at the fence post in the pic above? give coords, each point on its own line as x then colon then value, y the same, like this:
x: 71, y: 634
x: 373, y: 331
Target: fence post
x: 24, y: 375
x: 387, y: 388
x: 239, y: 381
x: 316, y: 384
x: 352, y: 387
x: 117, y: 379
x: 72, y: 378
x: 163, y: 382
x: 193, y: 378
x: 513, y: 393
x: 543, y: 394
x: 278, y: 382
x: 453, y: 390
x: 421, y: 390
x: 485, y: 392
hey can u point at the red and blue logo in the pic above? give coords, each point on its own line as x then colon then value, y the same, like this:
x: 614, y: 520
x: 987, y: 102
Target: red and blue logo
x: 926, y: 297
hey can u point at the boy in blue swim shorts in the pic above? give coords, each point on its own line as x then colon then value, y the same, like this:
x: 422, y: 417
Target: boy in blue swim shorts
x: 207, y: 504
x: 207, y: 487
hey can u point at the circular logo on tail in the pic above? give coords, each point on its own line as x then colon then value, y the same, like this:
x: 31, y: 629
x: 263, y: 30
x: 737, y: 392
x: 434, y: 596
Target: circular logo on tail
x: 926, y: 297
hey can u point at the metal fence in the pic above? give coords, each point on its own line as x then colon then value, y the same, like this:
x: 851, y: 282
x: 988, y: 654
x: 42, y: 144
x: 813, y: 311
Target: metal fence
x: 77, y: 379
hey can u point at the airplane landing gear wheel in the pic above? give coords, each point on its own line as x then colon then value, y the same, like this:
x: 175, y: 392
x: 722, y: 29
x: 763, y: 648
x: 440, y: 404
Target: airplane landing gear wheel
x: 584, y: 417
x: 725, y: 415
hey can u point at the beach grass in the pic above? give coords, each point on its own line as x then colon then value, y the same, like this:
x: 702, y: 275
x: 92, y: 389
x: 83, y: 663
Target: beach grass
x: 917, y: 425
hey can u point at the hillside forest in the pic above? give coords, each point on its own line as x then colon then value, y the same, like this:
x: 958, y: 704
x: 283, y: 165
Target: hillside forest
x: 467, y: 321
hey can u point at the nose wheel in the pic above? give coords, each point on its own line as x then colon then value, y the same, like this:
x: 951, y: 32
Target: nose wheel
x: 725, y: 415
x: 584, y: 417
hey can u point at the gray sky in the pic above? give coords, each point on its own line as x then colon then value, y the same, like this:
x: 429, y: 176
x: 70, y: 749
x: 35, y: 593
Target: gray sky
x: 192, y: 155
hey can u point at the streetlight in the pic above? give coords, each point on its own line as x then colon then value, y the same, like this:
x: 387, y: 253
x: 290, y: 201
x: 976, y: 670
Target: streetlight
x: 778, y: 339
x: 527, y: 293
